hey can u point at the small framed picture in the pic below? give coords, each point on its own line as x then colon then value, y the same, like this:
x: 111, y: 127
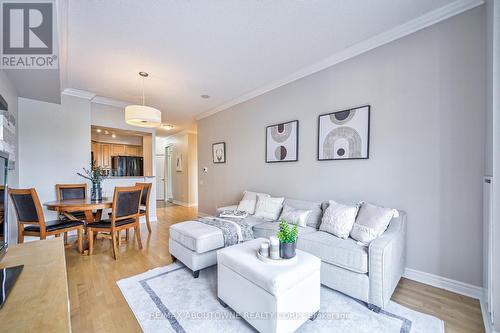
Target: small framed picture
x: 344, y: 135
x: 282, y: 142
x: 219, y: 152
x: 178, y: 163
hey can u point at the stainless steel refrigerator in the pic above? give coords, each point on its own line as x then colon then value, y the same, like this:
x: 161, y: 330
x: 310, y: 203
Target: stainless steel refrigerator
x: 127, y: 166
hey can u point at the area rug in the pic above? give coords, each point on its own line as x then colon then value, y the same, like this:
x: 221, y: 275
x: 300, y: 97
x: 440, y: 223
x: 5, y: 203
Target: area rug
x: 169, y: 299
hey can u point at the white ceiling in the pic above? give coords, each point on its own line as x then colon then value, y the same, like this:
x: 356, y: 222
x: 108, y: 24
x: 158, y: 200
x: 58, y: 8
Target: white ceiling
x: 223, y: 48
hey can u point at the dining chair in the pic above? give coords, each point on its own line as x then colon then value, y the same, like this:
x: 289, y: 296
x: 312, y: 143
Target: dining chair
x: 144, y: 210
x: 124, y: 215
x: 31, y: 221
x: 72, y: 191
x: 144, y: 207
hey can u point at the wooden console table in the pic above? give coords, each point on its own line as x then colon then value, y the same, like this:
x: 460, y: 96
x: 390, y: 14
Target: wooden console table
x: 39, y: 301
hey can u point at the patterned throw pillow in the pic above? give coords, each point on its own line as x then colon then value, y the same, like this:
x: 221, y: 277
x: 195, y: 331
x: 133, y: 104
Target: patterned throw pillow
x: 371, y: 222
x: 338, y: 219
x: 268, y: 208
x: 295, y: 216
x: 247, y: 204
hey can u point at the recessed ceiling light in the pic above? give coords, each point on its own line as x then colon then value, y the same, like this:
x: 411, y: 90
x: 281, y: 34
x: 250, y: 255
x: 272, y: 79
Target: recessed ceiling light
x: 98, y: 130
x: 113, y: 135
x: 205, y: 96
x: 167, y: 127
x: 143, y: 74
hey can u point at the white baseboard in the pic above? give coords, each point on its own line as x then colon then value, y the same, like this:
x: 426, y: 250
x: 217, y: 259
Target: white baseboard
x: 185, y: 204
x: 201, y: 214
x: 488, y: 328
x: 458, y: 287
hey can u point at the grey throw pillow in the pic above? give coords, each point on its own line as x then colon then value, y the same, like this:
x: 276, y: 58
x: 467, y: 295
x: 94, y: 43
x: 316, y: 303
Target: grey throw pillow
x: 371, y: 222
x: 338, y: 219
x: 295, y: 216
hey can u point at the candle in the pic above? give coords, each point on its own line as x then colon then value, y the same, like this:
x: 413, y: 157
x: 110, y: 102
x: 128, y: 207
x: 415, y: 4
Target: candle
x: 274, y: 251
x: 264, y: 249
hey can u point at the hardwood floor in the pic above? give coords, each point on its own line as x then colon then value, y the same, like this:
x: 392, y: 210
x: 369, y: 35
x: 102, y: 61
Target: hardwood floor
x: 97, y: 304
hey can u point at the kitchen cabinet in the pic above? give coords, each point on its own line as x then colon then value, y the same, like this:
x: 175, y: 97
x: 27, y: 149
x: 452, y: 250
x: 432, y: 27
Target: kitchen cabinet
x: 131, y: 151
x: 96, y: 153
x: 117, y: 150
x: 105, y: 155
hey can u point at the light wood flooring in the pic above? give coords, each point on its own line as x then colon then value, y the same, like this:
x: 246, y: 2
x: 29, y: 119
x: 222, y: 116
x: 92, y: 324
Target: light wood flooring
x: 97, y: 304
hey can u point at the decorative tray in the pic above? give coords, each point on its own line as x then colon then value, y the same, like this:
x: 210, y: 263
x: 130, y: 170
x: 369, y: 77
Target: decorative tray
x: 279, y: 261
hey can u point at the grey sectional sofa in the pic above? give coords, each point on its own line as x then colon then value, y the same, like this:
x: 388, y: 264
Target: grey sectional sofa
x: 368, y: 273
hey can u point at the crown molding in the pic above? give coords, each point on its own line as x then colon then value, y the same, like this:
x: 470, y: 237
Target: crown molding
x: 109, y: 101
x: 405, y: 29
x: 79, y: 93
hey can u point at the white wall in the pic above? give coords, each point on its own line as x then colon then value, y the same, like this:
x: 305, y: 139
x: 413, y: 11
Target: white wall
x: 427, y: 93
x: 54, y: 144
x: 10, y: 94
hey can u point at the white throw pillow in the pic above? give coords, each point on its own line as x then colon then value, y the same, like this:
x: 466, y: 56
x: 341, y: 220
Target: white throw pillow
x: 247, y: 204
x: 269, y: 208
x: 371, y: 222
x: 295, y: 216
x: 338, y: 219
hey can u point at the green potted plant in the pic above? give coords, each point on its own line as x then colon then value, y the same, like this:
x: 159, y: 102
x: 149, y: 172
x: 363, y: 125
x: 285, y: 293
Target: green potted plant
x: 96, y: 175
x: 288, y: 239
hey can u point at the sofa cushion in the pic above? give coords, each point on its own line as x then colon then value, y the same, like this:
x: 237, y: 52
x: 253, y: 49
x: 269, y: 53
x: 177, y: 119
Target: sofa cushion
x: 197, y: 236
x: 371, y: 222
x: 338, y: 219
x: 345, y: 253
x: 314, y: 217
x: 268, y: 229
x: 247, y: 204
x: 295, y: 216
x: 269, y: 208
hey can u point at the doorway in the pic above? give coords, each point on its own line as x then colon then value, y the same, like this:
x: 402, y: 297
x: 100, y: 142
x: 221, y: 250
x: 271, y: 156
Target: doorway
x: 164, y: 175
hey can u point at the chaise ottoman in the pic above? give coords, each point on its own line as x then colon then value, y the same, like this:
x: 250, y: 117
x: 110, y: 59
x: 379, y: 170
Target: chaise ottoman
x: 271, y: 297
x: 195, y: 244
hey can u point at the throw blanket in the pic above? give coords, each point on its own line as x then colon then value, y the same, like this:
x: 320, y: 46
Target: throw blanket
x: 234, y: 230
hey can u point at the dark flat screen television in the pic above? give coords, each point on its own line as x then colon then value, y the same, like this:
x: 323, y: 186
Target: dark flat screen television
x: 4, y: 219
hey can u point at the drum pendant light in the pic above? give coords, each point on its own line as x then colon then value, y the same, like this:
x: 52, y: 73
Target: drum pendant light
x: 142, y: 115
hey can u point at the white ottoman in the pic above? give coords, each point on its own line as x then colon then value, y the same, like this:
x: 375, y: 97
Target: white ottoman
x: 195, y: 244
x: 271, y: 297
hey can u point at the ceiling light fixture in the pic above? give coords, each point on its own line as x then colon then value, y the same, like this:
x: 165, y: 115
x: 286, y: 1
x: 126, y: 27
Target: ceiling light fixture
x: 113, y: 135
x: 98, y: 130
x: 142, y: 115
x: 106, y: 132
x: 167, y: 127
x: 205, y: 96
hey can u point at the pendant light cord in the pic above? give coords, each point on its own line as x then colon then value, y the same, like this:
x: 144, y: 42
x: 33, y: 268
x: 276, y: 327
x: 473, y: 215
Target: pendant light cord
x: 143, y: 97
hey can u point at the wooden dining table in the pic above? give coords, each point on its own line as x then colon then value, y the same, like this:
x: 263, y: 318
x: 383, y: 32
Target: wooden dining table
x: 87, y: 206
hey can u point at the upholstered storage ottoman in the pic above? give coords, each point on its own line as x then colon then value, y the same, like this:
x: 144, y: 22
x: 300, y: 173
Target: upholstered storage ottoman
x: 271, y: 297
x: 195, y: 244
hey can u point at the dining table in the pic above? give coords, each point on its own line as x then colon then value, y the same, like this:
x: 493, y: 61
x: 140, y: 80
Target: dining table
x: 88, y: 206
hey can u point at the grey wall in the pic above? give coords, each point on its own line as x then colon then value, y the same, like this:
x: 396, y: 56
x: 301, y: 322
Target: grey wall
x: 427, y: 93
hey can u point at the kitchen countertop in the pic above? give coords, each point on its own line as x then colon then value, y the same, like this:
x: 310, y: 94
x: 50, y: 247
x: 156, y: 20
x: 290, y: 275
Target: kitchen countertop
x: 128, y: 177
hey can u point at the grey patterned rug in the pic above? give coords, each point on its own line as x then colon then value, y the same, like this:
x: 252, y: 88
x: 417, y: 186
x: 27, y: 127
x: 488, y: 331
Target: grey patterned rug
x: 169, y: 299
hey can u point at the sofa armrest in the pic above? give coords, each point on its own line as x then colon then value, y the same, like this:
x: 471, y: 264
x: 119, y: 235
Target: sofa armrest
x: 220, y: 209
x: 387, y: 259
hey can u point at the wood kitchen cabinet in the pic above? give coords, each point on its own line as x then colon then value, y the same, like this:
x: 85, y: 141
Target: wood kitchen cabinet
x: 103, y: 152
x: 106, y: 155
x: 96, y: 153
x: 131, y: 151
x: 117, y: 150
